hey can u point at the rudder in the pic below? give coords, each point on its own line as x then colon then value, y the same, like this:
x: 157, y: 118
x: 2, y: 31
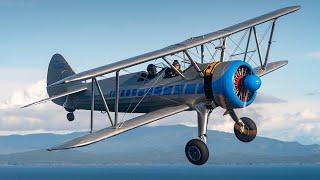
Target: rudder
x: 58, y: 69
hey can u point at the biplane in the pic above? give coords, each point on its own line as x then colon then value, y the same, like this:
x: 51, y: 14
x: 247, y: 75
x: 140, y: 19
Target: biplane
x: 205, y: 84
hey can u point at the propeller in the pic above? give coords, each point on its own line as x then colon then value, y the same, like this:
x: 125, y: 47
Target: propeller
x: 246, y: 83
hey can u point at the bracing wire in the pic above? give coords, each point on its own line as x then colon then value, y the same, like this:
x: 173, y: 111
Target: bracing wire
x: 237, y: 44
x: 264, y: 35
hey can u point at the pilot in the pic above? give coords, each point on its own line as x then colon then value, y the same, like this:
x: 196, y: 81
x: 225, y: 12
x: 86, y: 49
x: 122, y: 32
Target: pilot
x: 152, y: 71
x: 170, y: 72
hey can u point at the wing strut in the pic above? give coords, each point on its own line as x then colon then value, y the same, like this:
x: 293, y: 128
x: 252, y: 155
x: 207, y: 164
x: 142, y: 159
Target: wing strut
x: 194, y: 64
x: 247, y: 46
x: 103, y: 100
x: 116, y: 114
x: 95, y: 81
x: 269, y: 44
x: 222, y: 48
x: 257, y: 44
x: 202, y: 53
x: 92, y: 105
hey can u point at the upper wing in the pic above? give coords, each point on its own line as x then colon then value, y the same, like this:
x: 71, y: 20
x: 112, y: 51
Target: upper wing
x: 270, y: 67
x: 184, y: 45
x: 125, y: 126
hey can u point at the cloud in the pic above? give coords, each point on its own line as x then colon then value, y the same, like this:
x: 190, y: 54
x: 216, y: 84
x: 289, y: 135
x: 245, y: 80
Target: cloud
x: 314, y: 55
x: 31, y: 94
x: 307, y: 114
x: 314, y: 93
x: 264, y: 98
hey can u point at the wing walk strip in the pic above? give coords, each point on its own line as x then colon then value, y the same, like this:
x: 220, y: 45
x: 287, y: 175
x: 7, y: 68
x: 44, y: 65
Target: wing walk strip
x: 126, y: 126
x: 179, y: 47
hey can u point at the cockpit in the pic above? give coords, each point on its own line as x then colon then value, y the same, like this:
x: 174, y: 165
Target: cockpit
x: 154, y: 70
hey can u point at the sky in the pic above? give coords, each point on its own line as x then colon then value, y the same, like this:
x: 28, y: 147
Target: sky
x: 94, y: 33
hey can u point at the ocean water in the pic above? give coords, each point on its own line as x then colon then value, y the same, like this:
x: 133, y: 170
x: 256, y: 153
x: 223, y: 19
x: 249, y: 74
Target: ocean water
x: 239, y: 172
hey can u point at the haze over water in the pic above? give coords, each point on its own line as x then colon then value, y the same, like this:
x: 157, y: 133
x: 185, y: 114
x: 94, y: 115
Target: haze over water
x: 261, y: 172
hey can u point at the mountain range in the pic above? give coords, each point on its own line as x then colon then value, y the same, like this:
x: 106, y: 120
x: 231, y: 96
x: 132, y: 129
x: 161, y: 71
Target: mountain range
x: 152, y: 145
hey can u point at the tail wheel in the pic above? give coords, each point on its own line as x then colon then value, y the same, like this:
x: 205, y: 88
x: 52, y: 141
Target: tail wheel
x: 197, y: 152
x: 245, y: 130
x: 70, y: 116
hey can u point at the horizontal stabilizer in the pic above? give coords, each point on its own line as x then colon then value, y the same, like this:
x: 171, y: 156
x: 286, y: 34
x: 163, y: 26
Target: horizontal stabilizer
x: 121, y: 128
x: 57, y: 96
x: 270, y: 67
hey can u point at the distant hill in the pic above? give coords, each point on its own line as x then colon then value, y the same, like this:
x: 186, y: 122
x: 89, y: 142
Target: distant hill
x: 153, y: 145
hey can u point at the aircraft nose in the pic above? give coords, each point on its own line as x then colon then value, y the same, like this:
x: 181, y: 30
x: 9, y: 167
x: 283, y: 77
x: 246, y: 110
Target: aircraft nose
x: 252, y: 82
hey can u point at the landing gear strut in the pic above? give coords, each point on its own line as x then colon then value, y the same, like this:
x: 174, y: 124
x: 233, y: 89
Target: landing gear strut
x: 196, y: 149
x: 244, y: 128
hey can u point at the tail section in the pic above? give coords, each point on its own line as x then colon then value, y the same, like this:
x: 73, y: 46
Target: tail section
x: 58, y: 69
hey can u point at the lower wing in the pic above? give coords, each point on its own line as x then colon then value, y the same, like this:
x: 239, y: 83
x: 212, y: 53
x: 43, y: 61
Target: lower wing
x: 121, y: 128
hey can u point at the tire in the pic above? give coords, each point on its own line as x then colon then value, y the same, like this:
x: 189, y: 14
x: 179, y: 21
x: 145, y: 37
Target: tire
x: 249, y: 131
x: 197, y: 152
x: 70, y: 116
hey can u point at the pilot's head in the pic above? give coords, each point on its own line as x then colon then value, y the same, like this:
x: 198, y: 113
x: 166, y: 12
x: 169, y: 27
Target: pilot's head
x: 176, y: 64
x: 152, y: 69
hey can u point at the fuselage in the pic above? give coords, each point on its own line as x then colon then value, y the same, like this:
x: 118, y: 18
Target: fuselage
x: 227, y: 84
x: 142, y: 96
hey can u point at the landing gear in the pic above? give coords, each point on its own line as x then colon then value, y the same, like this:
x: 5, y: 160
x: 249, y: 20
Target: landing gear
x: 196, y: 149
x: 70, y: 116
x: 245, y: 130
x: 197, y: 152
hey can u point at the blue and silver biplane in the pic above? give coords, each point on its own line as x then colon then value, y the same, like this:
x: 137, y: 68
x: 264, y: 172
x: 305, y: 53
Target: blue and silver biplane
x: 163, y: 91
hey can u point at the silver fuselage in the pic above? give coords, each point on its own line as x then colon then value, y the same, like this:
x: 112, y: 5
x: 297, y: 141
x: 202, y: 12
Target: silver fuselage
x: 142, y: 96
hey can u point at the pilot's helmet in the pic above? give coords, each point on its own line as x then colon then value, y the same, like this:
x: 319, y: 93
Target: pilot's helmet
x: 176, y: 63
x: 152, y: 69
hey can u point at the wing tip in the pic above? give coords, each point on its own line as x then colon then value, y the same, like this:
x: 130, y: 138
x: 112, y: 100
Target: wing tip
x: 25, y: 106
x: 58, y: 148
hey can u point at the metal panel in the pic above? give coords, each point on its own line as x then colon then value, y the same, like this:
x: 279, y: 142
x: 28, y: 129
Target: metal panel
x: 126, y: 126
x: 184, y: 45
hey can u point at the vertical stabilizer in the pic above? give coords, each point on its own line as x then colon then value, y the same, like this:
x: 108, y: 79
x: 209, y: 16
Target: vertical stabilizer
x: 58, y: 69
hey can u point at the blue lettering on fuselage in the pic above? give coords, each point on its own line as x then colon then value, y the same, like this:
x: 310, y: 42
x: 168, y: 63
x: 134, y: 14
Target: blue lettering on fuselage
x: 190, y: 89
x: 128, y: 92
x: 178, y: 89
x: 167, y: 90
x: 157, y: 91
x: 141, y: 92
x: 200, y: 89
x: 134, y: 92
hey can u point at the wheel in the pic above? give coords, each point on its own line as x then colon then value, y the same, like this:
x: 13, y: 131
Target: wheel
x: 245, y: 131
x: 197, y: 152
x: 70, y: 116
